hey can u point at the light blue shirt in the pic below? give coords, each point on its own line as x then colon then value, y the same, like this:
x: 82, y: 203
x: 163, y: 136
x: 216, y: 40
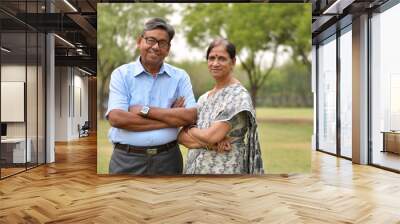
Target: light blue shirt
x: 131, y: 84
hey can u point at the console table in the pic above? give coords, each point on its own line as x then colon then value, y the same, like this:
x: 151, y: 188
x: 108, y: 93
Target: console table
x: 391, y: 141
x: 13, y: 150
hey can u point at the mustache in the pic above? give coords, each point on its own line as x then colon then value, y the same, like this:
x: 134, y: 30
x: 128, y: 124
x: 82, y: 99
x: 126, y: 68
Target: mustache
x: 154, y: 52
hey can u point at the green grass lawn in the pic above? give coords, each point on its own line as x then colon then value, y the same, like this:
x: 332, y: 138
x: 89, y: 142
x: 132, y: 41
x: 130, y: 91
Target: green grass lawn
x: 104, y: 147
x: 282, y: 113
x: 286, y: 146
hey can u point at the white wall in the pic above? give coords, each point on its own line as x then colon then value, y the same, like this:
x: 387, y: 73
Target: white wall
x: 61, y: 103
x: 80, y: 110
x: 33, y: 126
x: 71, y: 102
x: 14, y: 73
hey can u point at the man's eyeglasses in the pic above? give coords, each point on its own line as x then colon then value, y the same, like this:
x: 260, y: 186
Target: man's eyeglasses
x: 152, y: 41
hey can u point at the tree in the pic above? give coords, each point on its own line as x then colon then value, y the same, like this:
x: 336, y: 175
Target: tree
x: 254, y: 28
x: 288, y: 85
x: 118, y: 27
x: 300, y: 38
x: 199, y: 75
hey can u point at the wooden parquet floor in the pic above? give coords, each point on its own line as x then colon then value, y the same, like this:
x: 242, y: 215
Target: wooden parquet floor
x: 70, y: 191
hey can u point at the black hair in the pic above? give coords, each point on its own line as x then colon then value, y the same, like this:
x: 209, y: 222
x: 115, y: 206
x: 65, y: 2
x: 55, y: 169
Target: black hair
x: 158, y: 23
x: 230, y: 48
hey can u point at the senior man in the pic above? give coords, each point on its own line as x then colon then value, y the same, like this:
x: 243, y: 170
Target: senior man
x: 148, y: 100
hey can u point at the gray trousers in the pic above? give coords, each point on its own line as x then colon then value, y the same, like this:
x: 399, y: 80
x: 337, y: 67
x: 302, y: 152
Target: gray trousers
x: 165, y: 163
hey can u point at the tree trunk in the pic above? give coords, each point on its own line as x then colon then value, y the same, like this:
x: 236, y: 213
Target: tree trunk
x: 253, y: 94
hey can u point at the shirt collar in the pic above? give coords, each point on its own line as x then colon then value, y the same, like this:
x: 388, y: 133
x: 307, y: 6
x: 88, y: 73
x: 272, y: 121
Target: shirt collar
x: 139, y: 69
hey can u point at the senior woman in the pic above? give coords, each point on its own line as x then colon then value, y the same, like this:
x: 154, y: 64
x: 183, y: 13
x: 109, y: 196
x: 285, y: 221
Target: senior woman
x: 225, y: 139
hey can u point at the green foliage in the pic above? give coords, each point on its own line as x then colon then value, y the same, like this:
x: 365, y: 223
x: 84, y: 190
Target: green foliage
x: 288, y: 85
x: 254, y: 28
x: 200, y: 77
x: 118, y: 26
x: 300, y: 41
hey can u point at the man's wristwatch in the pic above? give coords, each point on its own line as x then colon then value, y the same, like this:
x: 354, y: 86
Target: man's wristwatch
x: 144, y: 111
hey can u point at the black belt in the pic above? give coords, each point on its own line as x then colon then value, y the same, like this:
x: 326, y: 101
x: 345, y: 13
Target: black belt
x: 150, y: 150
